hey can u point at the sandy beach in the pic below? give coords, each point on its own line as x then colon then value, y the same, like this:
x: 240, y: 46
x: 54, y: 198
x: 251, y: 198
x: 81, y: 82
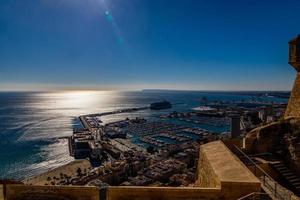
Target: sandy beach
x: 69, y: 169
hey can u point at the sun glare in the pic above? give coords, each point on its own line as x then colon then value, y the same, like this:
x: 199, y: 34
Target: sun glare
x: 78, y: 98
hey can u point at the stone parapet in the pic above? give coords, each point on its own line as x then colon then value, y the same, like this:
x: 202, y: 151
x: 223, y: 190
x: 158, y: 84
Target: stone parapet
x: 219, y: 167
x: 165, y: 193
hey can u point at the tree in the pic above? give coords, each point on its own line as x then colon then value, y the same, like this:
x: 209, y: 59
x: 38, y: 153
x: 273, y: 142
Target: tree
x: 78, y: 171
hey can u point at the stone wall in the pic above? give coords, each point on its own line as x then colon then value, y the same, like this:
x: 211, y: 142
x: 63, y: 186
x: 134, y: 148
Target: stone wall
x: 205, y: 174
x: 266, y: 168
x: 1, y: 192
x: 282, y: 136
x: 264, y: 138
x: 219, y: 167
x: 25, y: 192
x: 293, y: 108
x: 236, y: 190
x: 162, y: 193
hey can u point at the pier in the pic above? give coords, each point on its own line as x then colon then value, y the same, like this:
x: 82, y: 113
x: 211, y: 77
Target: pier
x: 91, y: 123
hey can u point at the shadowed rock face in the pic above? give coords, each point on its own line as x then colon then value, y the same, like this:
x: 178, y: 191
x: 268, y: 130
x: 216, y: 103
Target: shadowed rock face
x: 266, y: 137
x: 281, y: 138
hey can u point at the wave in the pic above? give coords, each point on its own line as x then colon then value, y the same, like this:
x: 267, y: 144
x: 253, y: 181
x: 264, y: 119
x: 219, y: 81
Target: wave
x: 27, y: 129
x: 52, y: 154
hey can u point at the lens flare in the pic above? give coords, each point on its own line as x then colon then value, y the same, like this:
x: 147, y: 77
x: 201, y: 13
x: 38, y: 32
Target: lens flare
x: 105, y: 9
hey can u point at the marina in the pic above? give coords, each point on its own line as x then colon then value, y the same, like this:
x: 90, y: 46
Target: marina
x: 100, y: 141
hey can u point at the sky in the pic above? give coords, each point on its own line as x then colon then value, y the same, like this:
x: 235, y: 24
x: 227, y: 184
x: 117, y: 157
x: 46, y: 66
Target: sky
x: 147, y: 44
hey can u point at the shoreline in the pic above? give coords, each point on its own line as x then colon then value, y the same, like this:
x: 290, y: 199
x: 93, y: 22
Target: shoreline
x: 69, y: 169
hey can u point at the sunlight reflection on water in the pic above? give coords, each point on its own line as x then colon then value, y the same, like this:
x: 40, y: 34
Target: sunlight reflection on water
x: 32, y: 122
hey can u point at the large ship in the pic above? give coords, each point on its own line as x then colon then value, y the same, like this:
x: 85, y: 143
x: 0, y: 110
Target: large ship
x: 160, y: 105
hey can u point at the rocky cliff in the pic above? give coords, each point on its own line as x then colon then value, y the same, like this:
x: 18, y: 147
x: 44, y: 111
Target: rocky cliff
x: 280, y: 138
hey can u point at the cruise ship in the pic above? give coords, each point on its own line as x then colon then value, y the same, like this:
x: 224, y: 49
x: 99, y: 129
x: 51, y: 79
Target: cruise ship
x: 160, y: 105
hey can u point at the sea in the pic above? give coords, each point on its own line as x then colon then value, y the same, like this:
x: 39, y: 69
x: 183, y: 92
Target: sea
x: 34, y: 125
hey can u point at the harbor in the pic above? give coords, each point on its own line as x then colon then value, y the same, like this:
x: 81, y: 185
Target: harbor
x: 102, y: 141
x: 161, y: 149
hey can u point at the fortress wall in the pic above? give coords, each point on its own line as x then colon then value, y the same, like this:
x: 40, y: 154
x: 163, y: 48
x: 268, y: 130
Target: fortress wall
x: 205, y: 173
x: 1, y: 192
x: 263, y: 139
x: 165, y: 193
x: 293, y: 108
x: 266, y: 167
x: 220, y: 167
x: 236, y: 190
x: 26, y: 192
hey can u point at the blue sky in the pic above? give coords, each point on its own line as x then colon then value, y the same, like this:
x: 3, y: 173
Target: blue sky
x: 136, y: 44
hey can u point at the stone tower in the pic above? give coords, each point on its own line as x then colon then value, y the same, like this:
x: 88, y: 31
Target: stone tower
x: 235, y: 127
x: 293, y: 108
